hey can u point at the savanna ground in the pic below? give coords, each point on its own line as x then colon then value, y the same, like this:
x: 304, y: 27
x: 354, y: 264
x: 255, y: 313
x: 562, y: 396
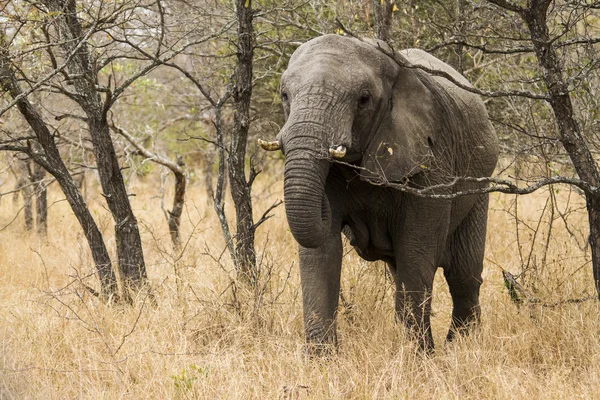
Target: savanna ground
x: 208, y: 337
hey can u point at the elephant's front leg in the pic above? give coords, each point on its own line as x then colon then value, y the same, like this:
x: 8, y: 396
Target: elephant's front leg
x: 414, y: 282
x: 320, y: 276
x: 418, y: 253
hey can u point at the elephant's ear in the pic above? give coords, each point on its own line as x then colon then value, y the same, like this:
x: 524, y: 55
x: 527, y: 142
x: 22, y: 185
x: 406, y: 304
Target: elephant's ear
x: 403, y: 145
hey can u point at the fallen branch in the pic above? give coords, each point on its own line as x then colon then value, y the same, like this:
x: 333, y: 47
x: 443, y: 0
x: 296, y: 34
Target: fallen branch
x: 519, y: 294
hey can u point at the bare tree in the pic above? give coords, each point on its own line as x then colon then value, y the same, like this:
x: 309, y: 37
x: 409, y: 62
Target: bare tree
x: 242, y: 97
x: 234, y: 99
x: 77, y: 49
x: 24, y: 186
x: 50, y: 159
x: 31, y: 185
x: 535, y: 16
x: 83, y: 75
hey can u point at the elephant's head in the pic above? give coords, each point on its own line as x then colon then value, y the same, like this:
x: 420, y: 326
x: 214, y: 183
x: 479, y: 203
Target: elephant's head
x: 345, y: 99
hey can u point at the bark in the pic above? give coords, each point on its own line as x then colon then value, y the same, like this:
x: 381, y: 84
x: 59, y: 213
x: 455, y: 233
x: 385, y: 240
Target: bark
x: 84, y: 78
x: 32, y: 187
x: 51, y: 160
x: 535, y: 16
x: 129, y: 244
x: 24, y: 183
x: 593, y: 207
x: 41, y: 200
x: 240, y: 187
x: 218, y: 203
x: 178, y: 203
x: 209, y: 160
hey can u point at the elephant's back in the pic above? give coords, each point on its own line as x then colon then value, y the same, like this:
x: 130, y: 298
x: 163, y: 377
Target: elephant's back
x: 422, y: 58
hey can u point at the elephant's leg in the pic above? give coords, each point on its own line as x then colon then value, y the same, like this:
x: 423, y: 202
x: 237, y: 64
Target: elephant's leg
x: 414, y: 282
x: 419, y: 248
x: 320, y: 276
x: 463, y: 263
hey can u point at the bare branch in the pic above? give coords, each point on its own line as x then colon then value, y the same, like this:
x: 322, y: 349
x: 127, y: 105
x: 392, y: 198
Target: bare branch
x: 484, y: 48
x: 518, y: 292
x: 12, y: 147
x: 156, y: 61
x: 49, y: 76
x: 266, y: 214
x: 435, y: 72
x: 507, y: 5
x: 176, y: 168
x: 448, y: 190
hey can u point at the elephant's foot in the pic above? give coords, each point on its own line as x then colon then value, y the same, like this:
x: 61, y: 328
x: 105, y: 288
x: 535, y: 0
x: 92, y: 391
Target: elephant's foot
x: 413, y: 309
x: 418, y: 330
x: 320, y: 342
x: 422, y: 337
x: 319, y: 350
x: 462, y: 324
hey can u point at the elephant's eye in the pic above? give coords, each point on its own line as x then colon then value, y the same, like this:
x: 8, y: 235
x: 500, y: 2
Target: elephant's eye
x: 284, y: 96
x: 364, y: 99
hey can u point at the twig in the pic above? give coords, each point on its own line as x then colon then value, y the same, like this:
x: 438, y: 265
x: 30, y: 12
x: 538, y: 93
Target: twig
x: 266, y: 214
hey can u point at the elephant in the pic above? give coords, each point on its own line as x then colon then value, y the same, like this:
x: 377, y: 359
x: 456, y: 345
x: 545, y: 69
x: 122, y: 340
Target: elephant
x: 361, y: 124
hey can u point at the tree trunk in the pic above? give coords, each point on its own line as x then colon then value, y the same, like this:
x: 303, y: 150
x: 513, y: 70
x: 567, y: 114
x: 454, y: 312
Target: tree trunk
x: 240, y: 187
x: 209, y: 160
x: 219, y: 193
x: 177, y: 168
x: 382, y: 18
x: 129, y: 245
x: 41, y: 200
x: 570, y: 133
x: 178, y: 202
x: 25, y: 185
x: 593, y: 208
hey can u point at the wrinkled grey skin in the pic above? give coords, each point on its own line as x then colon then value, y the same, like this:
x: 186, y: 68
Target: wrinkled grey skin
x: 397, y: 123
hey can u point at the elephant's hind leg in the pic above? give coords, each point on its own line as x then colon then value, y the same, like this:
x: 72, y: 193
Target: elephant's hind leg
x: 463, y: 263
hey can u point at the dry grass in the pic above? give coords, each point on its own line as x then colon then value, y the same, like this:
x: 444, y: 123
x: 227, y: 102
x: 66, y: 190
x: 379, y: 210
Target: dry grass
x: 209, y: 338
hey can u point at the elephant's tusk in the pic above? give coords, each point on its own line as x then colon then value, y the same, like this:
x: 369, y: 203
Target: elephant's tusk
x: 337, y: 151
x: 269, y: 146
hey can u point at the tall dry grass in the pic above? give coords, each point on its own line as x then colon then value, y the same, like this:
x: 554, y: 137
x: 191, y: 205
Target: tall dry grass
x: 208, y: 337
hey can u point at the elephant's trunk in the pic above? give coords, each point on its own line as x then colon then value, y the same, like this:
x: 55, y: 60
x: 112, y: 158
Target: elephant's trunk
x: 306, y: 205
